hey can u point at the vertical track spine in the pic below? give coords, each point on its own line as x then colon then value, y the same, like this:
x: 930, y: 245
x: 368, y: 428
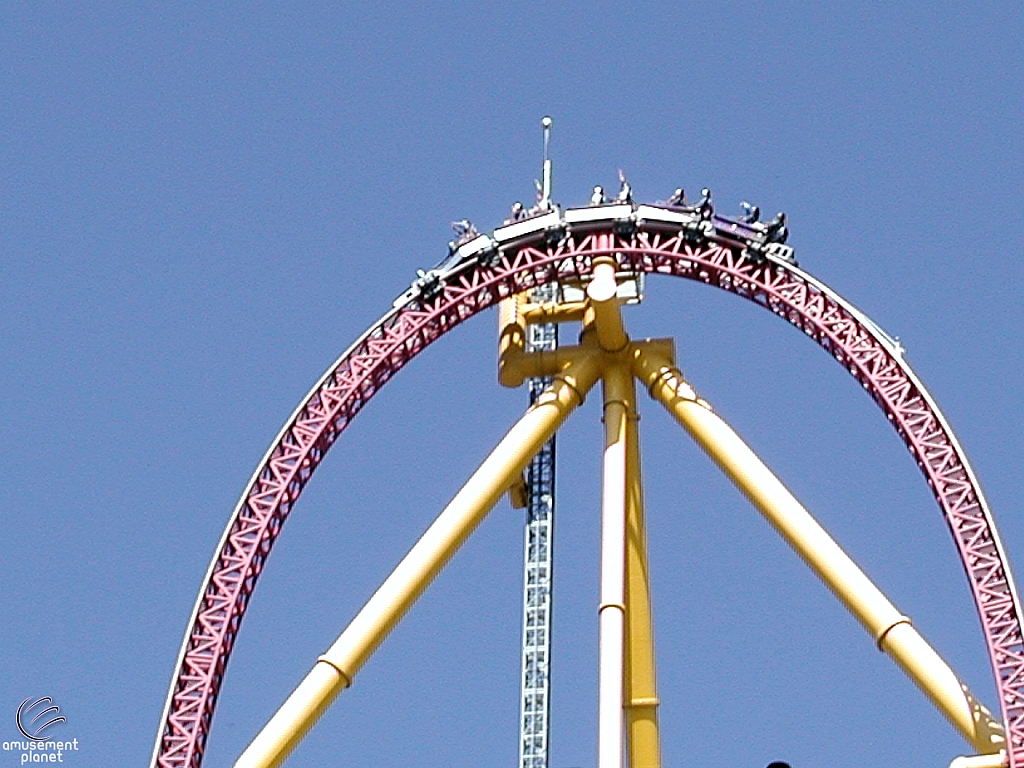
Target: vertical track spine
x: 537, y: 564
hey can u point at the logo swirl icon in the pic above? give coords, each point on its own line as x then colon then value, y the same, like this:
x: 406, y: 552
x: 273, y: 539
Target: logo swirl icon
x: 31, y: 730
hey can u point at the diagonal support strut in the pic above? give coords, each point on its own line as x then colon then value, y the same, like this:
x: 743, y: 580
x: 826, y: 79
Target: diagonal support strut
x: 335, y: 670
x: 892, y: 631
x: 641, y: 700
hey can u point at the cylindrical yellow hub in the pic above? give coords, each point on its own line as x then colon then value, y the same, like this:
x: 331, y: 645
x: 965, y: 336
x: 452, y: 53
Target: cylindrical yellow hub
x: 603, y: 293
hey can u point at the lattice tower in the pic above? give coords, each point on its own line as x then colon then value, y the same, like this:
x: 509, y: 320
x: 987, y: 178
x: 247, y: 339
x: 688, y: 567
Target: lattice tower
x: 538, y: 551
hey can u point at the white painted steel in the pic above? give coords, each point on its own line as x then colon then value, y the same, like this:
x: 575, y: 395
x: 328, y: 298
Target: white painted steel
x: 598, y: 213
x: 611, y: 622
x: 980, y: 761
x: 528, y: 227
x: 653, y: 213
x: 474, y: 246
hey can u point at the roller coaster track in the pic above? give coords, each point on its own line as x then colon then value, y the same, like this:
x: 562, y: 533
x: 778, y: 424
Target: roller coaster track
x: 560, y: 245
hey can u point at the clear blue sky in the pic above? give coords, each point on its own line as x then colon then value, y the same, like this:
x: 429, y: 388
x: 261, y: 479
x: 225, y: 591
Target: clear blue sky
x: 201, y: 206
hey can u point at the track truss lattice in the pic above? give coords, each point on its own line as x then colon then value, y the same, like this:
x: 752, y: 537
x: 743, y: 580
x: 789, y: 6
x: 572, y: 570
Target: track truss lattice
x: 443, y: 302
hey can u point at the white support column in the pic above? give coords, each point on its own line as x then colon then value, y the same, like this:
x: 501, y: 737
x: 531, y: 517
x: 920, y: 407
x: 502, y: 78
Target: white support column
x: 617, y: 381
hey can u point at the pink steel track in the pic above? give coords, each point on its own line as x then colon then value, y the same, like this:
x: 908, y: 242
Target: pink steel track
x: 658, y: 248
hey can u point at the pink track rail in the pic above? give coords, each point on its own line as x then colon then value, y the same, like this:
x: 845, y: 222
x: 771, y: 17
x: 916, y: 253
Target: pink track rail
x: 846, y: 334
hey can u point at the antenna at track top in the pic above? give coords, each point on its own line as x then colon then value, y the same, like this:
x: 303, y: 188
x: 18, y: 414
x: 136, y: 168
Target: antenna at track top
x: 545, y: 190
x: 538, y: 497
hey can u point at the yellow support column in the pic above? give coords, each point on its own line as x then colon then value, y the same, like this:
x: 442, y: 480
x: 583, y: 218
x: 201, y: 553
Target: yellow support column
x: 892, y: 631
x: 641, y: 699
x: 603, y: 295
x: 336, y: 668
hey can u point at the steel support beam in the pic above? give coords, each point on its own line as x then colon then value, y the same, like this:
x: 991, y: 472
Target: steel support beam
x: 603, y: 292
x: 891, y: 630
x: 641, y: 700
x: 612, y: 610
x: 337, y: 667
x: 544, y: 312
x: 538, y: 558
